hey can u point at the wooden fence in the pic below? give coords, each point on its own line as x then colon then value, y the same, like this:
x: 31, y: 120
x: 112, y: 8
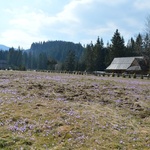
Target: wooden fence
x: 100, y: 74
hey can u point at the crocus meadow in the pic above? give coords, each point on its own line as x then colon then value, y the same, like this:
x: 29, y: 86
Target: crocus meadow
x: 41, y: 110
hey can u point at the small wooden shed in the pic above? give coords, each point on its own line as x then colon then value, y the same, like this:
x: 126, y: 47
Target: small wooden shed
x: 127, y: 64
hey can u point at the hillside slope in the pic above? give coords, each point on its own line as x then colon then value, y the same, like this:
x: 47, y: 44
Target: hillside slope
x: 56, y: 49
x: 3, y: 47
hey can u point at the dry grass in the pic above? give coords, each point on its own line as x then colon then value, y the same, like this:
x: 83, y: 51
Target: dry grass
x: 66, y: 112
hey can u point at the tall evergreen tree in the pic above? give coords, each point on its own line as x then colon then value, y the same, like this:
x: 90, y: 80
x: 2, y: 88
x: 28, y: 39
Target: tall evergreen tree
x: 131, y: 48
x: 12, y: 58
x: 117, y: 47
x: 42, y: 61
x: 139, y: 45
x: 99, y: 57
x: 19, y: 58
x: 89, y: 59
x: 108, y: 58
x: 70, y: 61
x: 30, y: 64
x: 24, y: 59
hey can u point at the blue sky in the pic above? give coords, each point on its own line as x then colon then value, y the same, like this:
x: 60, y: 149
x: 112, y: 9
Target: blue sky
x: 26, y: 21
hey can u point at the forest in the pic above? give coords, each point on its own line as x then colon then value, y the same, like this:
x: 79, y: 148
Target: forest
x: 68, y: 56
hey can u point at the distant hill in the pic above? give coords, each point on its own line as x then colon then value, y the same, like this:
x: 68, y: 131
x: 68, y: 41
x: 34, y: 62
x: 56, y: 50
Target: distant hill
x: 3, y: 47
x: 57, y: 50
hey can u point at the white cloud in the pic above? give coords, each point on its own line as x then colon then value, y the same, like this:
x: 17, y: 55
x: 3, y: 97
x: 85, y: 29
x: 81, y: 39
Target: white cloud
x: 130, y: 21
x: 68, y: 15
x: 18, y: 37
x: 29, y: 22
x: 77, y: 20
x: 77, y: 9
x: 112, y: 2
x: 142, y: 4
x: 105, y: 29
x: 26, y: 26
x: 34, y: 21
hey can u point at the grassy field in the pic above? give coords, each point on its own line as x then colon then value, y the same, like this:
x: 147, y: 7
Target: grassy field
x: 48, y: 111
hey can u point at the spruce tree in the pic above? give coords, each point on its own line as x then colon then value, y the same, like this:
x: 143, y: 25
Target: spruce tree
x: 139, y: 45
x: 42, y: 61
x: 89, y: 59
x: 99, y: 57
x: 117, y: 47
x: 131, y: 48
x: 70, y: 61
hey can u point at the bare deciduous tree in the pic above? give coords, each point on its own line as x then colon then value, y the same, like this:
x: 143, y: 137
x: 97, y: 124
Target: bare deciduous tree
x: 147, y: 25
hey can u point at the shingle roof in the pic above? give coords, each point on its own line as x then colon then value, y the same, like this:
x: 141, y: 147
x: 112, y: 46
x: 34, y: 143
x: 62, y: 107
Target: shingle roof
x: 122, y: 63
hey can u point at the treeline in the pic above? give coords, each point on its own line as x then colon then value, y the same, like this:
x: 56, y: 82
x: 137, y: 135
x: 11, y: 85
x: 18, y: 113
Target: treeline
x: 98, y: 57
x: 58, y: 50
x: 48, y: 55
x: 60, y: 55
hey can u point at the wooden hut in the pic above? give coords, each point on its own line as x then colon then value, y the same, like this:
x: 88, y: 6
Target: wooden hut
x: 127, y: 64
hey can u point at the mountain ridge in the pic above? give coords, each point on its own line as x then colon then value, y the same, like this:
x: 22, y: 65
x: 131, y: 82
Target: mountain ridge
x: 3, y: 47
x: 57, y: 50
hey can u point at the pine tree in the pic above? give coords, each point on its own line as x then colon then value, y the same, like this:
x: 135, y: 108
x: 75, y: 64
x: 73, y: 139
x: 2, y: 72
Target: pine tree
x: 139, y: 45
x: 117, y: 47
x: 89, y: 59
x: 99, y: 57
x: 42, y: 61
x: 12, y: 58
x: 131, y: 48
x: 19, y: 58
x: 24, y: 59
x: 70, y: 61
